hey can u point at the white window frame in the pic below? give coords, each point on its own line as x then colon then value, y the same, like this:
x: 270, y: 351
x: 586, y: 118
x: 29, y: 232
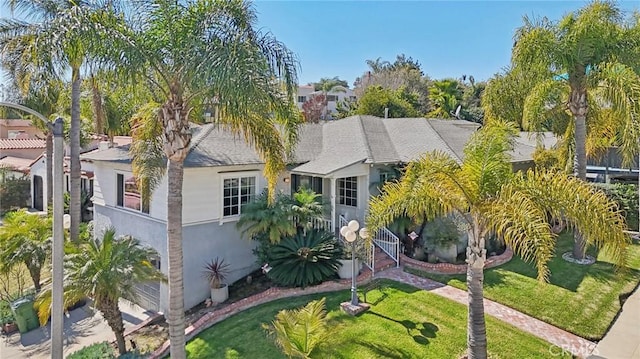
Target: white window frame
x: 237, y: 175
x: 342, y: 197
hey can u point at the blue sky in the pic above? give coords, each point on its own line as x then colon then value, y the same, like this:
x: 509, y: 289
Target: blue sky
x: 449, y: 38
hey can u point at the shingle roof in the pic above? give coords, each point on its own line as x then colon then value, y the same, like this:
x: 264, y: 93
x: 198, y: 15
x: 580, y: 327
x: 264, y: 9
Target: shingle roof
x: 15, y: 143
x: 330, y: 146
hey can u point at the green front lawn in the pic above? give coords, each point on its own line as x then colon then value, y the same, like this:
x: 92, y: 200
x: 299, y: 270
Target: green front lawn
x: 403, y: 323
x: 580, y: 299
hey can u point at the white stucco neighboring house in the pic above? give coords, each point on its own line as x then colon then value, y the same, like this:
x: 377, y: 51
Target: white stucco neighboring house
x: 334, y: 95
x: 342, y: 160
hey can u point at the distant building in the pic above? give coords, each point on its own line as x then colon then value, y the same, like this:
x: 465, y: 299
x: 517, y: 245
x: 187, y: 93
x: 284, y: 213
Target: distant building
x: 334, y: 96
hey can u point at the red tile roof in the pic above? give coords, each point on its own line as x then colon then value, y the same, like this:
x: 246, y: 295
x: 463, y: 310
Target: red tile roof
x: 16, y: 164
x: 15, y: 143
x: 16, y: 123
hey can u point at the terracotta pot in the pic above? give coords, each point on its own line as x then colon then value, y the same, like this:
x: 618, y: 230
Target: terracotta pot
x: 10, y: 328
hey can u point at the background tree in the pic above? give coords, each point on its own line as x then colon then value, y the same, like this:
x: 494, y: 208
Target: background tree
x: 585, y: 83
x: 471, y: 103
x: 106, y: 270
x: 210, y: 49
x: 403, y: 72
x: 57, y: 36
x: 445, y: 96
x: 314, y: 108
x: 375, y: 99
x: 484, y: 191
x: 25, y: 239
x: 326, y: 83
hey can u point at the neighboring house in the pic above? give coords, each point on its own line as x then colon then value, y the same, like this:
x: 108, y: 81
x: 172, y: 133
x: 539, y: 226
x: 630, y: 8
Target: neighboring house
x: 14, y: 167
x: 339, y: 159
x: 334, y: 96
x: 10, y: 128
x: 38, y: 172
x: 21, y: 148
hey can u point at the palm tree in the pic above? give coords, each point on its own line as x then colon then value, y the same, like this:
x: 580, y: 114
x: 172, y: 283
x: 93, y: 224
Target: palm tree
x: 445, y: 95
x: 269, y: 221
x: 484, y: 191
x: 105, y: 270
x: 584, y: 81
x: 25, y: 239
x: 191, y: 52
x: 60, y: 38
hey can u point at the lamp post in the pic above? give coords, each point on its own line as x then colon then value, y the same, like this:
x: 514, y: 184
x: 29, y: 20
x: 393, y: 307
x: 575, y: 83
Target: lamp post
x: 350, y: 233
x: 57, y: 307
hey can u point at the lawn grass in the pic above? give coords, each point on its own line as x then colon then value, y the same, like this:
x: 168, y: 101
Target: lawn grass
x: 403, y: 322
x: 583, y: 300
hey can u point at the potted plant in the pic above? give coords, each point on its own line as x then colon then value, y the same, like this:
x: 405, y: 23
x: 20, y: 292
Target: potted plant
x: 7, y: 321
x: 346, y: 270
x: 216, y: 272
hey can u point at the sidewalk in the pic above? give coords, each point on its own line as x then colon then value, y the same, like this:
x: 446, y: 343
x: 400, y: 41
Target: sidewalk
x: 563, y: 341
x: 622, y: 341
x: 83, y: 327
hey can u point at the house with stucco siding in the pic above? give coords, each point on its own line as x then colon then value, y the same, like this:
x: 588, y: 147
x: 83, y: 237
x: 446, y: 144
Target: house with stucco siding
x: 342, y: 160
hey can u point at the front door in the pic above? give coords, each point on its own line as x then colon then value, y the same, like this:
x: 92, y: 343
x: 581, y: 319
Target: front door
x: 38, y: 201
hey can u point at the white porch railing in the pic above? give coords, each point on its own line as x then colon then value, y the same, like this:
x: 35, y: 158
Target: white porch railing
x: 319, y: 223
x: 389, y: 243
x: 384, y: 239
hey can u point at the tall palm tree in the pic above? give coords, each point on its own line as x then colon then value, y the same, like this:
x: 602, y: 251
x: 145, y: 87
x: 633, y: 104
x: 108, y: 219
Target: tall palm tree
x: 191, y: 52
x: 585, y: 81
x: 105, y: 269
x: 25, y: 239
x: 57, y: 36
x: 445, y: 95
x: 484, y: 191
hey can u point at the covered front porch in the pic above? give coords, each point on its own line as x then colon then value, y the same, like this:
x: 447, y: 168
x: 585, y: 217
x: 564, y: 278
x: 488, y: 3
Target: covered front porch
x: 346, y: 194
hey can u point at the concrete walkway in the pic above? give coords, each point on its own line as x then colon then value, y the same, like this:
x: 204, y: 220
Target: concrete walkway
x: 83, y: 327
x: 623, y: 339
x: 562, y: 341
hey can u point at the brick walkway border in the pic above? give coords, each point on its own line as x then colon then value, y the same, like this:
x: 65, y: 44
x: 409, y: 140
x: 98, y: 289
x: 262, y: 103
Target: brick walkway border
x: 561, y: 341
x: 448, y: 268
x: 268, y: 295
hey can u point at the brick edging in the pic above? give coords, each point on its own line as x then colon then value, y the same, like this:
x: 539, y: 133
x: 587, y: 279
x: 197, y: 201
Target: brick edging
x: 448, y: 268
x: 267, y: 296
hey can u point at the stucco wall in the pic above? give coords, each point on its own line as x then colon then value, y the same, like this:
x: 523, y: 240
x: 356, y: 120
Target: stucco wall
x: 206, y: 241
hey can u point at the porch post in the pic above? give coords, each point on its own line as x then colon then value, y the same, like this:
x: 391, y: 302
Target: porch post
x: 332, y: 195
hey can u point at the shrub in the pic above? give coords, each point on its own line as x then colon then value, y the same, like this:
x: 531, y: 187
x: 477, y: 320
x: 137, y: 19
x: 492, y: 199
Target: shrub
x: 14, y: 191
x: 95, y: 351
x: 298, y: 331
x: 626, y: 196
x: 304, y: 259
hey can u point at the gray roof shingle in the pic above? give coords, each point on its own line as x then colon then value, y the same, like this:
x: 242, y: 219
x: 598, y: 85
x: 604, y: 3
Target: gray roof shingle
x: 327, y: 147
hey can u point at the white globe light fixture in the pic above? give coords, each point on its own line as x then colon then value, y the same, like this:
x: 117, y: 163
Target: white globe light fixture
x: 350, y: 233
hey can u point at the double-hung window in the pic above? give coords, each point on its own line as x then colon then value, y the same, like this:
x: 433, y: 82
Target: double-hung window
x: 236, y: 192
x: 128, y: 194
x: 348, y: 191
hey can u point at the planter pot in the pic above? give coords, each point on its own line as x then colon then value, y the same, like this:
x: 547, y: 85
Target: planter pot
x: 346, y: 271
x: 219, y: 295
x: 10, y: 328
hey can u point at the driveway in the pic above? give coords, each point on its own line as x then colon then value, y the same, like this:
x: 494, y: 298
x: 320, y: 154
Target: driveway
x: 82, y: 327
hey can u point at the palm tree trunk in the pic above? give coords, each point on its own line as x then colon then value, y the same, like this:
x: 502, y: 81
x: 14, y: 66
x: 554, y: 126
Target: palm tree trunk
x: 177, y: 137
x: 113, y: 316
x: 34, y: 273
x: 49, y: 163
x: 98, y: 109
x: 74, y: 183
x: 175, y: 173
x: 578, y: 106
x: 476, y: 326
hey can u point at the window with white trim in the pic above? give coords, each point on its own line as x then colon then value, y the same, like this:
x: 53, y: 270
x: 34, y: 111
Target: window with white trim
x: 348, y: 191
x: 236, y: 192
x: 128, y: 194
